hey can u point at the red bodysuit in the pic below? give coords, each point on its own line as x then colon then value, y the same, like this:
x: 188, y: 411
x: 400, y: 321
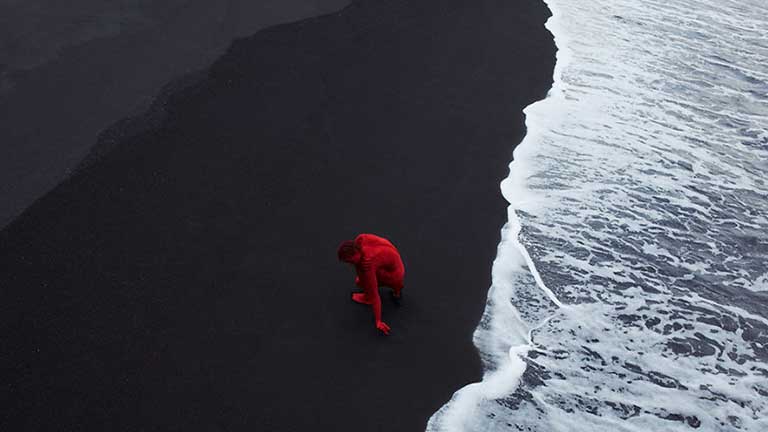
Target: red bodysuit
x: 379, y: 265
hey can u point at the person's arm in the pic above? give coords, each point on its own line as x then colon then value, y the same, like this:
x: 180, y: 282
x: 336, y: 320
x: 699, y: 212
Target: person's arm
x: 370, y: 286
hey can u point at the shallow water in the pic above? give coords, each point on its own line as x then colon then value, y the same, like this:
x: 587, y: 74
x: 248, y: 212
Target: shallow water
x: 630, y: 290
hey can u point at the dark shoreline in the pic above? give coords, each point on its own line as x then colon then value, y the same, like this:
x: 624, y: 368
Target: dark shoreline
x: 187, y: 280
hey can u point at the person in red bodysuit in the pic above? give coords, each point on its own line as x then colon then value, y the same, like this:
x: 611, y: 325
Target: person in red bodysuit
x: 377, y: 262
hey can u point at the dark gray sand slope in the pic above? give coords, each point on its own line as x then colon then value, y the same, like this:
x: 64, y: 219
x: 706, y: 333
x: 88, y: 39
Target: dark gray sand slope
x: 187, y: 280
x: 68, y: 69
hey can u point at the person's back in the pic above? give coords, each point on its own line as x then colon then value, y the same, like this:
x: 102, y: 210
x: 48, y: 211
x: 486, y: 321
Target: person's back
x: 382, y: 256
x: 377, y: 262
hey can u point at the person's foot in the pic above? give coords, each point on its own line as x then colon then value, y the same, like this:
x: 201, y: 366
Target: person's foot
x: 360, y: 298
x: 396, y: 297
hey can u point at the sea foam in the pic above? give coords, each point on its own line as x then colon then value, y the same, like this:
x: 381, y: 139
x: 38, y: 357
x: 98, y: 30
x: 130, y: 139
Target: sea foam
x: 628, y: 292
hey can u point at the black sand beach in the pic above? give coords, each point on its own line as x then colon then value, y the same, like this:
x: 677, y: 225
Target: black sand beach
x: 186, y: 277
x: 70, y: 69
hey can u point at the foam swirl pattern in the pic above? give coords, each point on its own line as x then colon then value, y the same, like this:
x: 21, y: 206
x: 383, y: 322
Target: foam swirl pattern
x: 630, y: 290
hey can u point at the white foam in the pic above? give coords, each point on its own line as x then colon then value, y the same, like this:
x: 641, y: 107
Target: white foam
x: 626, y: 289
x: 760, y: 284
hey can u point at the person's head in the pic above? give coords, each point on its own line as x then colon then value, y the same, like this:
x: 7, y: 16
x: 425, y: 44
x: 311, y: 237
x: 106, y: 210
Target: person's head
x: 348, y: 252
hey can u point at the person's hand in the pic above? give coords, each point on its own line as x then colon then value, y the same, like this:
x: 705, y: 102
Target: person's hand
x: 383, y: 327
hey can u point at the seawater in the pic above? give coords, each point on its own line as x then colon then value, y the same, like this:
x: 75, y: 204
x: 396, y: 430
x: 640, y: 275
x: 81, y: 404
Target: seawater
x: 630, y: 289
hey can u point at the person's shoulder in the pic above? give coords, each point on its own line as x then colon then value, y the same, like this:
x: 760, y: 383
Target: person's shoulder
x: 366, y: 237
x: 361, y: 240
x: 372, y: 240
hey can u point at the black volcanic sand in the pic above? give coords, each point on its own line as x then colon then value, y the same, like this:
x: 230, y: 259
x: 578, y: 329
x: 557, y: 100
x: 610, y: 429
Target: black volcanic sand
x: 70, y: 68
x: 187, y: 279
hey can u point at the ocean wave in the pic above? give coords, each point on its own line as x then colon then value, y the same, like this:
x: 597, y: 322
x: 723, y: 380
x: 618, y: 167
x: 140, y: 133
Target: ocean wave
x: 629, y: 290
